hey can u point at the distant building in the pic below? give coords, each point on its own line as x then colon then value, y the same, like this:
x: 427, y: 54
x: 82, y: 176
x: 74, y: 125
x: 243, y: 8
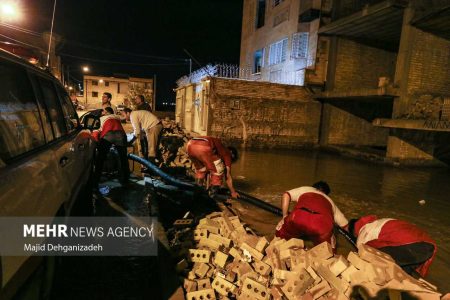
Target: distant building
x: 280, y: 42
x: 121, y: 89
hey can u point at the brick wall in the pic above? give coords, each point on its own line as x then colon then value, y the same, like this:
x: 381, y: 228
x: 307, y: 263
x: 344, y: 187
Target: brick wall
x: 360, y: 66
x: 429, y: 72
x: 340, y: 127
x: 263, y: 115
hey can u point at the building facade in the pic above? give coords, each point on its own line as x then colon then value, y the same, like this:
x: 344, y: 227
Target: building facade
x: 123, y: 90
x: 280, y: 42
x: 380, y: 68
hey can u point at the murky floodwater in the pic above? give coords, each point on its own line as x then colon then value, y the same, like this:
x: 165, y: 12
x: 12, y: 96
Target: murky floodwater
x: 358, y: 188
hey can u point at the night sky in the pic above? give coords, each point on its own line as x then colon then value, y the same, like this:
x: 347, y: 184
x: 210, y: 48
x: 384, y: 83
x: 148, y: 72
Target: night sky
x: 114, y: 30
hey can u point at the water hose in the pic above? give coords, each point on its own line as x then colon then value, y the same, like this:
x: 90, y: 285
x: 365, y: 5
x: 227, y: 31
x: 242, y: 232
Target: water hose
x: 166, y: 177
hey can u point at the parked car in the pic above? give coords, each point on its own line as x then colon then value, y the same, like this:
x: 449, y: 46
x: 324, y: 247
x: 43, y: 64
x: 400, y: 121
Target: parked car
x: 46, y: 158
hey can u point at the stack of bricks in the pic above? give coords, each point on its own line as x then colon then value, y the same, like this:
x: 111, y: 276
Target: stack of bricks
x: 228, y: 262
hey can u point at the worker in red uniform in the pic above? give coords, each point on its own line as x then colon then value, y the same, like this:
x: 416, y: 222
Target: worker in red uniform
x: 110, y: 133
x: 209, y: 155
x: 313, y: 217
x: 410, y: 247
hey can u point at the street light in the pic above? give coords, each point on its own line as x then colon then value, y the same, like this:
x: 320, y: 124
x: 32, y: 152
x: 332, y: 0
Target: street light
x: 85, y: 69
x: 9, y: 11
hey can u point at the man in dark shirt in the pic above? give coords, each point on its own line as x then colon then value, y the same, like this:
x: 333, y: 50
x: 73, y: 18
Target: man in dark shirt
x: 141, y: 104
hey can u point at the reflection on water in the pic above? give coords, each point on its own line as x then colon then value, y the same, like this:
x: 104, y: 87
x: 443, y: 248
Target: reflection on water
x: 358, y: 188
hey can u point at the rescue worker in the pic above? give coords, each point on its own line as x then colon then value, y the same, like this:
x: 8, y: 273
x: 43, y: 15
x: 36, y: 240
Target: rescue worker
x: 209, y: 155
x: 111, y: 133
x: 141, y: 104
x: 410, y: 247
x: 313, y: 217
x: 143, y: 120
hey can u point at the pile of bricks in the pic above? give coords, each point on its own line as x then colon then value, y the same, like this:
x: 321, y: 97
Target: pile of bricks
x: 227, y: 261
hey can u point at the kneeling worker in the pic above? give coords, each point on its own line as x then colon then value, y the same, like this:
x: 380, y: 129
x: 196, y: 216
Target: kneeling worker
x: 313, y: 217
x: 208, y: 154
x: 410, y: 247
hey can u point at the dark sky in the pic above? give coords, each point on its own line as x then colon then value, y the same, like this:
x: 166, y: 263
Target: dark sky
x: 209, y: 29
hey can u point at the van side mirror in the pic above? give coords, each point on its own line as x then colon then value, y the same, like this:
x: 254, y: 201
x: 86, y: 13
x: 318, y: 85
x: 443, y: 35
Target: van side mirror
x: 91, y: 122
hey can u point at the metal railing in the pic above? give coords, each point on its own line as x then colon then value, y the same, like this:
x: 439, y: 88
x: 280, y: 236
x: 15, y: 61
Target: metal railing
x: 216, y: 70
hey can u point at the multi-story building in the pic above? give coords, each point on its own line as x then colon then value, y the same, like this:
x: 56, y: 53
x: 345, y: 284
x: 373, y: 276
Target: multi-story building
x: 122, y: 89
x: 280, y: 42
x: 382, y: 67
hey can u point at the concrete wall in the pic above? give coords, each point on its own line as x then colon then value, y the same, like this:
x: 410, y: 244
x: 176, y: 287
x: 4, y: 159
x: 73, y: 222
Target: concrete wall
x: 360, y: 66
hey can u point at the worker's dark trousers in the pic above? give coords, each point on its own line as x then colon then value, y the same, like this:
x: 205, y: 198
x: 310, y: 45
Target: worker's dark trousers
x: 102, y: 150
x: 144, y: 145
x: 410, y: 256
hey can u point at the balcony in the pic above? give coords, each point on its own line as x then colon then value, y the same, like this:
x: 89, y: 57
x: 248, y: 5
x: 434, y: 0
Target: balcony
x: 378, y: 25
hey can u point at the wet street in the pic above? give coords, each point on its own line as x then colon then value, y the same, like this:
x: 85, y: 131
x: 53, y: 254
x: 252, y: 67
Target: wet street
x: 358, y: 188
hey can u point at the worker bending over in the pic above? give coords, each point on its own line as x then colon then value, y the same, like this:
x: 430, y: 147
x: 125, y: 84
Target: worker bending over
x: 410, y: 247
x: 209, y: 155
x: 313, y: 217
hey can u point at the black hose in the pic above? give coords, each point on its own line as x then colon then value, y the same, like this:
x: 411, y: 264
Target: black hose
x: 157, y: 171
x: 260, y: 203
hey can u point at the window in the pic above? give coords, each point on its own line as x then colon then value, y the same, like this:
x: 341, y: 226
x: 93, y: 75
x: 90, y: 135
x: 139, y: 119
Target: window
x: 70, y: 115
x: 94, y: 82
x: 53, y: 107
x: 260, y: 13
x: 277, y: 2
x: 277, y: 52
x: 275, y: 76
x: 106, y: 83
x: 20, y: 125
x: 258, y: 61
x: 300, y: 45
x: 95, y: 94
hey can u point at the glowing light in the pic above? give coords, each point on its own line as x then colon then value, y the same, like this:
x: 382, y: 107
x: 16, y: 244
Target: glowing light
x: 101, y: 81
x: 8, y: 9
x: 85, y: 69
x: 70, y: 88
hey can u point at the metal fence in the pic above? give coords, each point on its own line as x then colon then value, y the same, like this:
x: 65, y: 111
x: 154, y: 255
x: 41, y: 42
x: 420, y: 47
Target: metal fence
x: 216, y: 70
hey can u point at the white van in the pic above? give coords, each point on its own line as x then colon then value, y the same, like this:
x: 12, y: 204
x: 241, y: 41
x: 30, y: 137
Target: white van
x: 45, y: 156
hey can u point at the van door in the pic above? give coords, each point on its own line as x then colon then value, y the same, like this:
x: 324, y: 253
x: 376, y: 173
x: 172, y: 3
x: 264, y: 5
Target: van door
x: 29, y: 175
x: 82, y: 144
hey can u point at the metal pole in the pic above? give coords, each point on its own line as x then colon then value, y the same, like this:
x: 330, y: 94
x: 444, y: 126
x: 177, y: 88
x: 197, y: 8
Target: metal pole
x: 190, y: 69
x: 154, y: 93
x: 51, y: 34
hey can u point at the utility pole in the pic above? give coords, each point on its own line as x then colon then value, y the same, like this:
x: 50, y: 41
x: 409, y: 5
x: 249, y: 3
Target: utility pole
x: 190, y: 69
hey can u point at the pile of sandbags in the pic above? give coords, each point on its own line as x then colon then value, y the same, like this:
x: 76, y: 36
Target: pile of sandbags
x: 224, y: 260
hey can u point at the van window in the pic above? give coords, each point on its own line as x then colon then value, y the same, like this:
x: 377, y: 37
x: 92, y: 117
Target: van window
x: 70, y: 115
x: 53, y: 107
x: 20, y: 125
x: 42, y: 110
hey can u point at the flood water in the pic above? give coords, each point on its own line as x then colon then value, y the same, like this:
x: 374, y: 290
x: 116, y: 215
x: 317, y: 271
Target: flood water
x: 358, y: 188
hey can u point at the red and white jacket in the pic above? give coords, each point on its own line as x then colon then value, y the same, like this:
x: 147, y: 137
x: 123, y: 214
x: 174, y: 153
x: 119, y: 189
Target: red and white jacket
x: 379, y: 233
